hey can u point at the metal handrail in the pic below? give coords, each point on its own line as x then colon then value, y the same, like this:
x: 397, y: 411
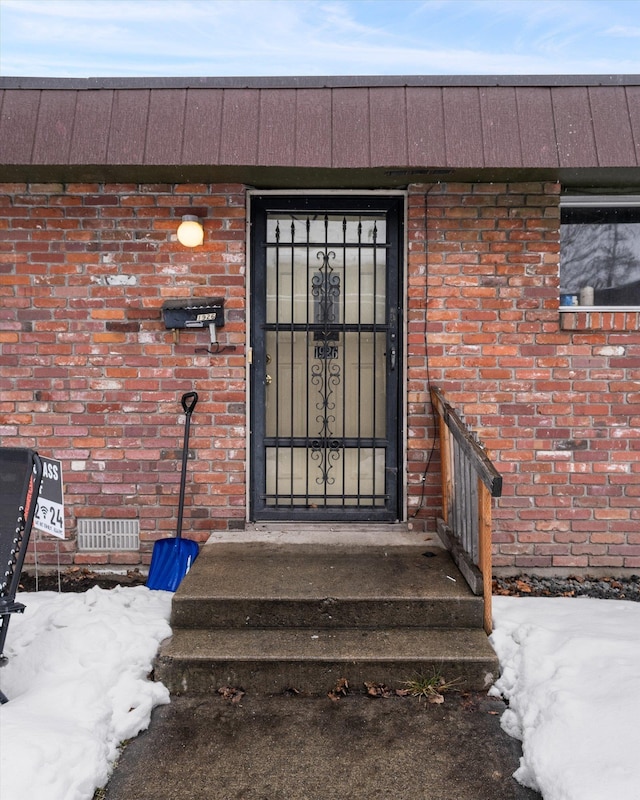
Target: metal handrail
x: 469, y: 481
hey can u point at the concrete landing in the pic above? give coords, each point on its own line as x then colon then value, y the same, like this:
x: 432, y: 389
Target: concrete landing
x: 351, y: 534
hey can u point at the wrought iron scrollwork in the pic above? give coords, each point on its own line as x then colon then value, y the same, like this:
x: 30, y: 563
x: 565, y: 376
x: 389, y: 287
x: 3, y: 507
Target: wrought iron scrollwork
x: 325, y: 290
x: 326, y: 374
x: 326, y: 452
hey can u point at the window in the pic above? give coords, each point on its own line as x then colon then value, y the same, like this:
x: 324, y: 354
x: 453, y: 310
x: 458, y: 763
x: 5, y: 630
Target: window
x: 600, y: 251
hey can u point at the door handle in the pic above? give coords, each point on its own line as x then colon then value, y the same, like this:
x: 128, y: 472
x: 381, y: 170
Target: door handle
x: 392, y: 359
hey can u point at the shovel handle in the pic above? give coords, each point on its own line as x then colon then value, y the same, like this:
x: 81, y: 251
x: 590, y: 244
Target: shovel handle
x: 189, y: 401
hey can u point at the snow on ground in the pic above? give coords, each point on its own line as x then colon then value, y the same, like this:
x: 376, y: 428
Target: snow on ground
x: 571, y: 674
x: 78, y: 686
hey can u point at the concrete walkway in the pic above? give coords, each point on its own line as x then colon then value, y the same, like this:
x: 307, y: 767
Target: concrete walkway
x: 291, y: 747
x: 298, y: 747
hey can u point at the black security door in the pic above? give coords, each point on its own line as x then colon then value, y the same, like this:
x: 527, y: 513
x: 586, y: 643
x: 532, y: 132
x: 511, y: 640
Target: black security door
x: 326, y: 357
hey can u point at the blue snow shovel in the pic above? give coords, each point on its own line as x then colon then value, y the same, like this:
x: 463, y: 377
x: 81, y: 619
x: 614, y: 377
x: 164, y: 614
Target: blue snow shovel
x: 172, y: 558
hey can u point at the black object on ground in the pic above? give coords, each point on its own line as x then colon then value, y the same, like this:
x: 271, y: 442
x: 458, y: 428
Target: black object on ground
x: 20, y: 477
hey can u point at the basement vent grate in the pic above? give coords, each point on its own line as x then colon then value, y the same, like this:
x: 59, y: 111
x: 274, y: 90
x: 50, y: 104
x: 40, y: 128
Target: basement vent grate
x: 108, y: 534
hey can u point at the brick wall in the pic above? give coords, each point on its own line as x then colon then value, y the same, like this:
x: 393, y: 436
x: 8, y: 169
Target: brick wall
x: 88, y: 373
x: 558, y: 407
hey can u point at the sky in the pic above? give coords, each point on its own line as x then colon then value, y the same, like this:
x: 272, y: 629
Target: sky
x: 211, y: 38
x: 77, y: 683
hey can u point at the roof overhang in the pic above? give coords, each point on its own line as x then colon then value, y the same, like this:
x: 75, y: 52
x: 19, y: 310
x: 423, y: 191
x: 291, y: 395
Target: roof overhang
x: 323, y: 132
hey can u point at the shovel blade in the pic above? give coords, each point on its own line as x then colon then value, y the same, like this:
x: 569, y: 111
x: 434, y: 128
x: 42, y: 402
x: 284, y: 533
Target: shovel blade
x: 170, y: 561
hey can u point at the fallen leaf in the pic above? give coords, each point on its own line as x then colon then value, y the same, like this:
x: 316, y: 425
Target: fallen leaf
x: 232, y: 693
x: 378, y: 690
x: 341, y: 689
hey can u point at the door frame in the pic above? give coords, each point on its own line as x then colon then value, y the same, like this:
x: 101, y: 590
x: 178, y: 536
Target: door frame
x: 401, y: 427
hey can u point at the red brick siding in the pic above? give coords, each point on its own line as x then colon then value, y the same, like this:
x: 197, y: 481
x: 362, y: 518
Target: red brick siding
x: 558, y: 409
x: 88, y: 372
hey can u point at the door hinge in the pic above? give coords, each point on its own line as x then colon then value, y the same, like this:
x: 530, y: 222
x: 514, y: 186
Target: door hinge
x: 249, y: 355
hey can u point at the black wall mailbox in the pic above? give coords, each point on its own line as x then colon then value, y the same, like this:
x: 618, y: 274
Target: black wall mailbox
x: 196, y: 312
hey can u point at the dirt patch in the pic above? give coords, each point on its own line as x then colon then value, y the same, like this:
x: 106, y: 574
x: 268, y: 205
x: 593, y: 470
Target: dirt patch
x: 78, y: 579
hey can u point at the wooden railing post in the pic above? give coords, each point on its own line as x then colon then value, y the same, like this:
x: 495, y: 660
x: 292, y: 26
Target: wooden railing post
x: 484, y: 551
x: 445, y: 461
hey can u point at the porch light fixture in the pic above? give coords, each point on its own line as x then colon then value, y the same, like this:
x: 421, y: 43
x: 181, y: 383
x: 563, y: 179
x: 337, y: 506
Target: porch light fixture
x: 190, y: 231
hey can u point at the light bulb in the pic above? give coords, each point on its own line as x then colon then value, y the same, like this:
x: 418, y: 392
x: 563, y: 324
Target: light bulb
x: 190, y: 231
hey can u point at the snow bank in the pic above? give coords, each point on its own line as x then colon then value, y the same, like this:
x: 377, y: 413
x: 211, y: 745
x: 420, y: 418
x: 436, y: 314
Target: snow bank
x: 571, y: 674
x: 77, y: 679
x: 77, y: 683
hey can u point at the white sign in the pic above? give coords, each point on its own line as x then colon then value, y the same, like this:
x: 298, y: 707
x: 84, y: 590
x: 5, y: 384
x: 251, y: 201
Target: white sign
x: 49, y: 516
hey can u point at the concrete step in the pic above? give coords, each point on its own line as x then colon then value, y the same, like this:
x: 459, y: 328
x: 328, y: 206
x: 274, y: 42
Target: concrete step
x: 260, y: 585
x: 311, y: 660
x: 270, y: 615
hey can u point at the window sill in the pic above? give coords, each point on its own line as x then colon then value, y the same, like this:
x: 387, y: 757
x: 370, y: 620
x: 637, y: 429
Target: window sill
x: 599, y: 318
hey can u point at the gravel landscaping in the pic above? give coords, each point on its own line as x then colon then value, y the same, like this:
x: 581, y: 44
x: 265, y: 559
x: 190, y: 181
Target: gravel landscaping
x: 627, y: 588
